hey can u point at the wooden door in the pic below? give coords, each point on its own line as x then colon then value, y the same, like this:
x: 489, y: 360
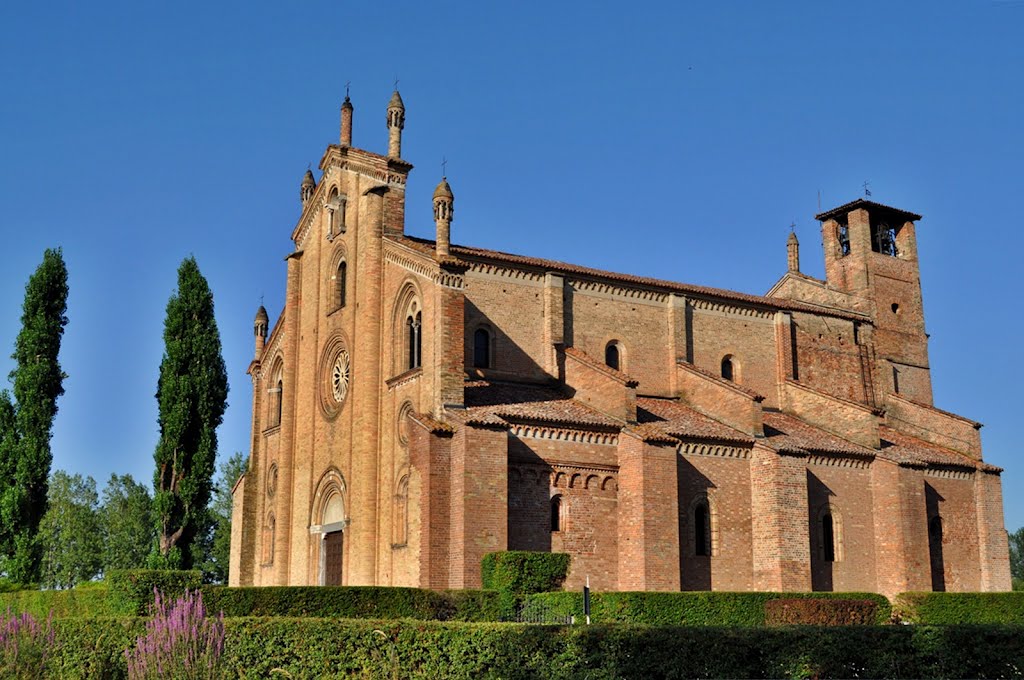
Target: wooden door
x: 332, y: 562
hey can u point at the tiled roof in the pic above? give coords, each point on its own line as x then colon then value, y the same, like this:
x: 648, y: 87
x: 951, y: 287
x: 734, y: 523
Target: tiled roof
x: 679, y: 420
x: 861, y: 203
x: 789, y: 434
x: 973, y: 423
x: 902, y: 448
x: 427, y: 247
x: 601, y: 367
x: 494, y: 403
x: 722, y: 381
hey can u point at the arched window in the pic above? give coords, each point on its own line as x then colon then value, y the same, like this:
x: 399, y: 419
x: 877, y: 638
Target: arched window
x: 401, y: 526
x: 276, y: 398
x: 611, y: 355
x: 341, y: 283
x: 702, y: 530
x: 727, y: 367
x: 268, y: 539
x: 556, y: 513
x: 279, y: 402
x: 828, y: 537
x: 481, y: 348
x: 414, y: 338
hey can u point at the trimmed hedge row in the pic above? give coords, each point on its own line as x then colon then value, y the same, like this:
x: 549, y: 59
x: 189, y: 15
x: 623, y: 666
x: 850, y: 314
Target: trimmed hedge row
x: 698, y: 608
x: 357, y: 602
x: 523, y: 571
x: 88, y: 602
x: 329, y: 648
x: 131, y: 590
x: 820, y: 611
x: 957, y: 608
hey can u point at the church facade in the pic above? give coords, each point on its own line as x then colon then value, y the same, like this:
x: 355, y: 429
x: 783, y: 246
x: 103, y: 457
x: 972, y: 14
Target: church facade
x: 418, y: 404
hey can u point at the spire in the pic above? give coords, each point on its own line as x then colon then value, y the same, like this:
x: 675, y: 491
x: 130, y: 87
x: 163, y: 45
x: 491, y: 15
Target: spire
x: 444, y: 213
x: 346, y: 120
x: 260, y: 326
x: 793, y: 252
x: 305, y: 191
x: 396, y: 121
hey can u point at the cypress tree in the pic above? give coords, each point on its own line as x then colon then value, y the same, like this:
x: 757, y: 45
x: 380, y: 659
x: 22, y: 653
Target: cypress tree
x: 192, y: 396
x: 26, y: 425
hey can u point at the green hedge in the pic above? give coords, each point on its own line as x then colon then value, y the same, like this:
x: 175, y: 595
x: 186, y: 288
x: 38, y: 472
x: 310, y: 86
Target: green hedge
x: 703, y: 608
x: 356, y: 602
x: 131, y: 590
x: 63, y: 603
x: 328, y: 648
x: 521, y: 571
x: 970, y: 608
x: 820, y: 611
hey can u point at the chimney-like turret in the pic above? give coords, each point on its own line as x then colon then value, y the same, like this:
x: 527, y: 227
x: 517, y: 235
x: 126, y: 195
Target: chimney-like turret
x: 307, y: 188
x: 396, y: 121
x: 346, y: 122
x: 259, y: 328
x: 793, y: 252
x: 444, y: 212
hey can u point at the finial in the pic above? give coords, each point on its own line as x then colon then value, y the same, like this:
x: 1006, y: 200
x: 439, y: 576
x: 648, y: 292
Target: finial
x: 444, y: 166
x: 347, y: 84
x: 261, y: 300
x: 792, y: 227
x: 867, y: 191
x: 396, y: 82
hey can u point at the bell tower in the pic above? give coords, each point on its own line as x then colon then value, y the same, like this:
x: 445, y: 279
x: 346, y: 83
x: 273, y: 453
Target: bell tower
x: 871, y: 254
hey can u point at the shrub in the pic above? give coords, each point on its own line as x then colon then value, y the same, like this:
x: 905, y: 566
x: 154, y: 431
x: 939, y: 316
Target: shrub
x: 356, y: 602
x: 131, y: 590
x: 91, y: 601
x: 24, y: 646
x: 698, y: 608
x: 520, y: 571
x: 819, y: 612
x: 314, y: 648
x: 960, y: 608
x: 181, y: 641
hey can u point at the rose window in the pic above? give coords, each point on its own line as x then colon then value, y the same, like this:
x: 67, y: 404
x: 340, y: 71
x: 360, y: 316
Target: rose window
x: 339, y: 376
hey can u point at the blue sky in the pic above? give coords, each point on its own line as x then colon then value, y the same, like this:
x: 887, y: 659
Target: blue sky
x: 676, y: 140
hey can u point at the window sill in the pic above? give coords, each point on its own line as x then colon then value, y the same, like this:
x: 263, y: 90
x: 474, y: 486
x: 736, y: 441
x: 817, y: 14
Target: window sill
x: 273, y: 429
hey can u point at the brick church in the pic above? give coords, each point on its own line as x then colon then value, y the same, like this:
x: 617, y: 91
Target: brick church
x: 418, y: 404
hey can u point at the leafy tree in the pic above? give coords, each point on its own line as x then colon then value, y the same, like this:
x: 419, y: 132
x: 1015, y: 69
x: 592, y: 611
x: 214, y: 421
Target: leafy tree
x: 126, y: 518
x: 192, y: 396
x: 220, y: 514
x: 25, y: 449
x: 69, y: 534
x: 1017, y: 558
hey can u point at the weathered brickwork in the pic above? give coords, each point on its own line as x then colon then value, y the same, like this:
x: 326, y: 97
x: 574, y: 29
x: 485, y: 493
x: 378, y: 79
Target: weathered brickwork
x: 419, y: 404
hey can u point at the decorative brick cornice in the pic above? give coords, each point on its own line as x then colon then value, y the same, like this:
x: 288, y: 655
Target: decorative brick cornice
x: 488, y: 269
x: 854, y: 463
x: 943, y: 472
x: 417, y: 264
x: 715, y: 450
x: 612, y: 290
x: 525, y: 431
x: 727, y: 308
x: 554, y: 472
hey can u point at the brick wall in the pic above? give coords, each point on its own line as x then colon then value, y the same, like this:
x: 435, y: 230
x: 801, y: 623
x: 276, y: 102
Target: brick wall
x: 725, y: 482
x: 648, y: 531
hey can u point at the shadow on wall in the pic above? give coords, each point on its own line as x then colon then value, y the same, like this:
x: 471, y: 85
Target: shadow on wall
x: 933, y: 500
x: 506, y: 356
x: 529, y: 499
x: 822, y: 527
x: 696, y: 544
